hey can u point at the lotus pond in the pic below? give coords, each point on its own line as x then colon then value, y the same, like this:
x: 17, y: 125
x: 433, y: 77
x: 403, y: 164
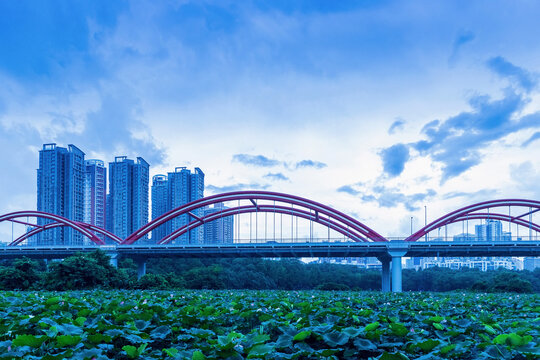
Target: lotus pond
x: 267, y: 325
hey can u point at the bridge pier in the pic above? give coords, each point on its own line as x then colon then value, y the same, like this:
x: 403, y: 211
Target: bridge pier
x: 385, y: 275
x: 396, y: 274
x: 114, y: 258
x: 141, y: 268
x: 397, y: 249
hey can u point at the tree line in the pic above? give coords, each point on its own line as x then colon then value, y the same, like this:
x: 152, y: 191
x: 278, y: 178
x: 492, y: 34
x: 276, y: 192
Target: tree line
x: 94, y: 270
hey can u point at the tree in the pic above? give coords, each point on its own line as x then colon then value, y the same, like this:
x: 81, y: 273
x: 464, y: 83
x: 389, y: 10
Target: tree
x: 21, y: 276
x: 84, y: 271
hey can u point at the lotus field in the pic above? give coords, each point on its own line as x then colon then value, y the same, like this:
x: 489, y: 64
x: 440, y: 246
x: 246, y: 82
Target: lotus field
x: 267, y: 325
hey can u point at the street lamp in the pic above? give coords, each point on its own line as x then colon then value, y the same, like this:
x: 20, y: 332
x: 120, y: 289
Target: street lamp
x: 425, y: 220
x: 411, y: 224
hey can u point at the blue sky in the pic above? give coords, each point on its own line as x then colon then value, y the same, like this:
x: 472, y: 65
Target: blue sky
x: 375, y: 107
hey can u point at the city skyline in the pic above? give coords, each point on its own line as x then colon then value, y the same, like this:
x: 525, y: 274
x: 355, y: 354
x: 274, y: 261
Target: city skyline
x: 350, y: 105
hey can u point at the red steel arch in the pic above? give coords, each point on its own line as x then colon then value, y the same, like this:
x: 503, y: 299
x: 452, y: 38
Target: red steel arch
x: 39, y: 229
x: 57, y: 218
x: 317, y: 212
x: 471, y: 213
x: 328, y: 222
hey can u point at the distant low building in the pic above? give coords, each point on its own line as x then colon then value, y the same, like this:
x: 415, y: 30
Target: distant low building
x: 219, y: 231
x: 481, y: 263
x: 531, y: 263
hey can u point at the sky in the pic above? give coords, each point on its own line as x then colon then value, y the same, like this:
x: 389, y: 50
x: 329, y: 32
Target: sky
x: 377, y: 108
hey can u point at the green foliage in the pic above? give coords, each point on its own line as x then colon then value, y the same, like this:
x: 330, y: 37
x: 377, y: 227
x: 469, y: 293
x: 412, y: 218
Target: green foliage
x: 93, y: 270
x: 22, y: 275
x: 228, y: 324
x: 152, y: 281
x: 84, y: 271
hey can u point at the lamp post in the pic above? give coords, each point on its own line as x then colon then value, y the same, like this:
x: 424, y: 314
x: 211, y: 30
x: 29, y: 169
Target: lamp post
x: 425, y: 220
x: 411, y: 224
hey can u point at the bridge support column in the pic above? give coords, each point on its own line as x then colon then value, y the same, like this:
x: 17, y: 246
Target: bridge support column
x: 396, y: 274
x: 385, y: 275
x: 114, y: 259
x: 141, y: 268
x: 397, y: 249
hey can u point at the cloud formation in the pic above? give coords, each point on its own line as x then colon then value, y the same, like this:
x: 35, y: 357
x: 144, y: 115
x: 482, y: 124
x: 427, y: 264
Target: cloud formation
x: 310, y: 164
x: 255, y: 160
x: 464, y: 37
x: 388, y: 197
x: 125, y: 135
x: 457, y: 141
x: 518, y: 75
x: 348, y: 189
x: 236, y: 187
x: 533, y: 138
x: 483, y: 194
x: 275, y: 177
x: 396, y: 126
x: 394, y: 159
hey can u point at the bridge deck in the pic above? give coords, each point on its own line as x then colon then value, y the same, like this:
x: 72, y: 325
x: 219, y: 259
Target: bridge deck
x: 333, y: 249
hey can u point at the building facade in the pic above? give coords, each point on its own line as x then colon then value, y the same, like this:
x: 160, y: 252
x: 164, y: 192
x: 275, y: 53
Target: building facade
x: 185, y: 186
x: 128, y: 195
x: 220, y: 231
x: 491, y: 230
x: 60, y: 191
x: 174, y: 190
x: 95, y: 194
x: 159, y: 205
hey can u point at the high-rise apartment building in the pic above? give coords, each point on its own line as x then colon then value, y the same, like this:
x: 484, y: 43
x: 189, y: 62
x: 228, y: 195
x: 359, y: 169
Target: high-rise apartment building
x: 95, y: 193
x: 128, y: 195
x: 490, y: 231
x: 182, y: 186
x: 159, y: 205
x: 185, y: 187
x: 219, y: 231
x: 60, y: 191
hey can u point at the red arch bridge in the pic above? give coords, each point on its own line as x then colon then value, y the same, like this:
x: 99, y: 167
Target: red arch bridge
x: 343, y: 235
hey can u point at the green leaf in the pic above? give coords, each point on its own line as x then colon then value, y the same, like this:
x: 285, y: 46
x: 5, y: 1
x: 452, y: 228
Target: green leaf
x: 446, y: 349
x: 141, y: 324
x: 393, y: 356
x: 352, y: 332
x: 198, y: 355
x: 98, y: 338
x: 428, y: 345
x: 364, y: 345
x: 80, y: 320
x: 53, y: 300
x: 512, y: 339
x: 436, y: 319
x: 302, y: 335
x: 171, y: 352
x: 335, y: 338
x: 29, y: 340
x: 372, y: 326
x: 399, y: 329
x: 67, y: 340
x: 161, y: 332
x: 131, y: 351
x: 260, y: 350
x: 438, y: 326
x: 490, y: 330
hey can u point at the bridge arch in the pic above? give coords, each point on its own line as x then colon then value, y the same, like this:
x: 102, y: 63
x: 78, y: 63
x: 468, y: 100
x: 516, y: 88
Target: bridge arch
x: 299, y: 207
x: 472, y: 212
x: 58, y: 221
x: 48, y: 226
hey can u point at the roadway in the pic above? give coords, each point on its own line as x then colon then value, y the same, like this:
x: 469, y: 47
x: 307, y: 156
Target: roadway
x: 297, y: 250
